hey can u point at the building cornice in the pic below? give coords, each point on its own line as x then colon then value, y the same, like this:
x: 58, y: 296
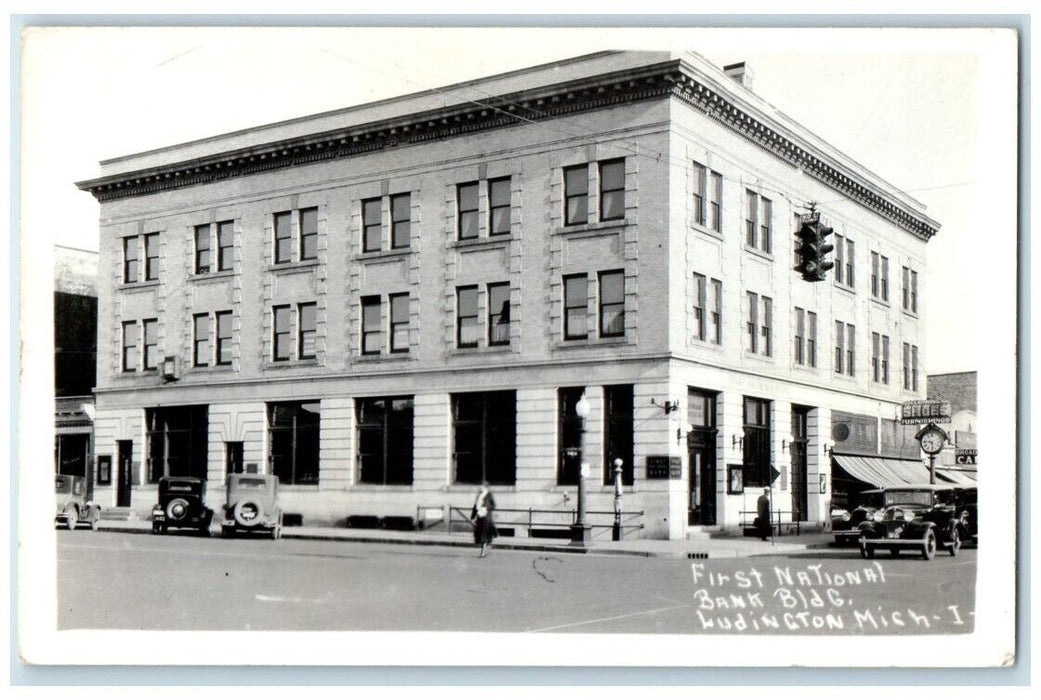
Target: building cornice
x: 675, y: 79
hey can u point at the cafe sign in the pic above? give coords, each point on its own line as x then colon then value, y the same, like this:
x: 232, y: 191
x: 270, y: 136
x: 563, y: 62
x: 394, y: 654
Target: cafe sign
x: 922, y: 412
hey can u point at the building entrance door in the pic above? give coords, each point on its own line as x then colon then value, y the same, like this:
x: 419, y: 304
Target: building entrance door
x: 800, y: 498
x: 124, y: 472
x: 702, y: 506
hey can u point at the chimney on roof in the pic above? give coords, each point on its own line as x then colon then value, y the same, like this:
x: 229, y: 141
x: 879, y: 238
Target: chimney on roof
x: 741, y: 73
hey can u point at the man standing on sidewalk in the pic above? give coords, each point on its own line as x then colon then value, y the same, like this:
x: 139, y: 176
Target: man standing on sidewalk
x: 763, y: 515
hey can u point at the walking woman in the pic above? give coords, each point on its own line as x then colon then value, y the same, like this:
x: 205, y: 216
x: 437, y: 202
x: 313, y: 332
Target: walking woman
x: 484, y: 523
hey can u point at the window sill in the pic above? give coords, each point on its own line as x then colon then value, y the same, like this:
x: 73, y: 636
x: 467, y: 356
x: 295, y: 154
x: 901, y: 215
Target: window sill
x: 393, y: 253
x: 280, y: 364
x: 207, y: 369
x: 808, y: 369
x: 759, y: 253
x: 383, y: 488
x: 139, y: 372
x: 302, y: 266
x: 483, y: 242
x: 843, y: 287
x: 138, y: 286
x: 758, y: 357
x: 383, y: 357
x: 911, y: 314
x: 880, y: 302
x: 591, y: 343
x: 481, y: 350
x: 592, y: 228
x: 704, y: 230
x: 204, y: 277
x: 707, y: 344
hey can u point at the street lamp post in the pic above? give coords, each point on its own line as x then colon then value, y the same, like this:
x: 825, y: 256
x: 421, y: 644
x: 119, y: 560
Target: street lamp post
x: 616, y: 531
x: 580, y: 531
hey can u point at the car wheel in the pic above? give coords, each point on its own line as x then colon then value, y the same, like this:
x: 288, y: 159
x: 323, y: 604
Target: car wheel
x: 247, y: 513
x: 177, y: 509
x: 71, y: 517
x: 955, y: 544
x: 929, y: 548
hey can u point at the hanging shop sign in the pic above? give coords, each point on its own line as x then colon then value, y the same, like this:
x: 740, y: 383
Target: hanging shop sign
x: 923, y: 412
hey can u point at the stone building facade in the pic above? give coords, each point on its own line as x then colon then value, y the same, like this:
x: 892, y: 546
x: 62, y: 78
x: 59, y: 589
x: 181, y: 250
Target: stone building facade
x: 385, y: 305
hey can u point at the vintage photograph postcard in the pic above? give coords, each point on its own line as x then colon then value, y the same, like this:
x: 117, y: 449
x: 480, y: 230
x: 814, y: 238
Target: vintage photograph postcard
x: 354, y: 346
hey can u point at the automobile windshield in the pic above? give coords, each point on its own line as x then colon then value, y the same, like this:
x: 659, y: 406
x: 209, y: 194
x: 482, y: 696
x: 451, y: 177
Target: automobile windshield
x: 909, y: 497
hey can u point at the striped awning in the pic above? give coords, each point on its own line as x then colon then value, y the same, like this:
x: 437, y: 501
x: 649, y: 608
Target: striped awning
x: 881, y: 471
x: 958, y: 477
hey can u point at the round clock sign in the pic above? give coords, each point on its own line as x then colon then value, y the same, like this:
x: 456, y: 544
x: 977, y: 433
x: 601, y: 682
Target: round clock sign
x: 931, y: 438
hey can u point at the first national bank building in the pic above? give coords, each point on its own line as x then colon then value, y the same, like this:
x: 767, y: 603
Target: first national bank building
x: 387, y: 304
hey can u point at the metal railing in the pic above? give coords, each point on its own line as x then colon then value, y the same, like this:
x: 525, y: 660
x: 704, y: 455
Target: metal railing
x: 777, y: 520
x: 540, y: 522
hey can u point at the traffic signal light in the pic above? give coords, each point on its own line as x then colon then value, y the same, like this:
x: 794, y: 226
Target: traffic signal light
x: 813, y: 250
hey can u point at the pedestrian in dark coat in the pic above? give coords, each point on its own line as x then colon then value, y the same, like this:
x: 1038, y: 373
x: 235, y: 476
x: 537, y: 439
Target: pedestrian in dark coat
x: 483, y: 517
x: 762, y: 507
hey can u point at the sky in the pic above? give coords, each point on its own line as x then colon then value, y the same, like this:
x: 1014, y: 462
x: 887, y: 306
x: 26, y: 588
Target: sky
x: 916, y: 106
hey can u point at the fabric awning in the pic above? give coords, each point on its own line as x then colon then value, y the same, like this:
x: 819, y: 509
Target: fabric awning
x: 958, y: 477
x: 881, y: 471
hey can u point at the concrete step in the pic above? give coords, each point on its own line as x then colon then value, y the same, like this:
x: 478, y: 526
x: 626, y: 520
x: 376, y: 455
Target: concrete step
x: 703, y: 532
x: 118, y: 514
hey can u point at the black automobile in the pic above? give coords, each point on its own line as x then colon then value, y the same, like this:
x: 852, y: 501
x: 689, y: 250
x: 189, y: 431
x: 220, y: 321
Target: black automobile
x: 965, y: 502
x: 923, y: 518
x: 845, y: 524
x: 181, y: 504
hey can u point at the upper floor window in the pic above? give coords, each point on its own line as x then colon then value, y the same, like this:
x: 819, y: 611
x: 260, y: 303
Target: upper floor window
x: 202, y: 331
x: 880, y: 358
x: 910, y: 290
x: 130, y: 340
x: 202, y: 249
x: 576, y: 194
x: 910, y: 367
x: 499, y: 203
x: 845, y: 260
x: 283, y: 237
x: 466, y: 202
x: 371, y: 326
x: 612, y: 189
x: 758, y: 218
x: 309, y: 234
x: 283, y: 331
x: 399, y: 310
x: 708, y: 197
x: 879, y: 276
x: 224, y: 337
x: 307, y: 340
x: 708, y: 309
x: 372, y: 225
x: 845, y: 348
x: 612, y: 304
x: 307, y: 228
x: 805, y: 337
x: 150, y: 329
x: 576, y: 307
x: 499, y: 313
x: 200, y: 340
x: 132, y: 246
x: 400, y: 221
x: 759, y: 326
x: 467, y: 319
x: 205, y: 260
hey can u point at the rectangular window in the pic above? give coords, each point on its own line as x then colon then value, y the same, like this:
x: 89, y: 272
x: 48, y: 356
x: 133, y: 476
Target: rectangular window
x: 715, y: 318
x: 756, y: 445
x: 308, y: 336
x: 468, y: 329
x: 767, y: 326
x: 233, y: 457
x: 225, y: 245
x: 885, y: 359
x: 840, y: 259
x: 130, y: 346
x: 399, y: 308
x: 309, y: 234
x: 800, y: 336
x: 840, y: 346
x: 875, y: 279
x: 224, y: 336
x: 708, y: 193
x: 151, y: 257
x: 914, y: 368
x: 618, y: 432
x: 612, y: 190
x: 906, y: 289
x: 201, y: 340
x: 700, y: 299
x: 715, y: 202
x: 811, y: 339
x: 130, y: 259
x: 466, y: 198
x: 401, y: 221
x: 751, y: 218
x: 884, y: 278
x: 293, y: 432
x: 282, y: 346
x: 176, y: 441
x: 851, y: 355
x: 499, y: 314
x: 371, y: 326
x: 700, y: 192
x: 907, y: 366
x: 876, y: 357
x: 569, y: 435
x: 576, y: 307
x: 612, y: 304
x: 576, y: 195
x: 485, y: 437
x: 283, y: 237
x: 150, y: 327
x: 752, y: 324
x: 385, y: 440
x: 202, y: 249
x: 499, y: 206
x: 914, y: 292
x: 850, y: 260
x: 372, y: 225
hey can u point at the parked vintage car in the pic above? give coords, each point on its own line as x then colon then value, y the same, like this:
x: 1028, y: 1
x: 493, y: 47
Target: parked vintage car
x: 965, y: 501
x: 919, y: 517
x: 845, y: 524
x: 72, y: 505
x: 181, y: 504
x: 252, y: 505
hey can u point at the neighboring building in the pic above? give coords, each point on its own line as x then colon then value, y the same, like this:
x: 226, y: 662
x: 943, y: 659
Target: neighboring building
x: 386, y: 304
x: 959, y: 457
x: 75, y: 357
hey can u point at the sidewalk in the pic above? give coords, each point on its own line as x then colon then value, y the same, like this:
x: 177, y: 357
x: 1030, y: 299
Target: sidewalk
x: 719, y: 547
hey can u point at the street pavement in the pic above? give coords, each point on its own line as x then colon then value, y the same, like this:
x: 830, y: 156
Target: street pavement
x: 183, y: 581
